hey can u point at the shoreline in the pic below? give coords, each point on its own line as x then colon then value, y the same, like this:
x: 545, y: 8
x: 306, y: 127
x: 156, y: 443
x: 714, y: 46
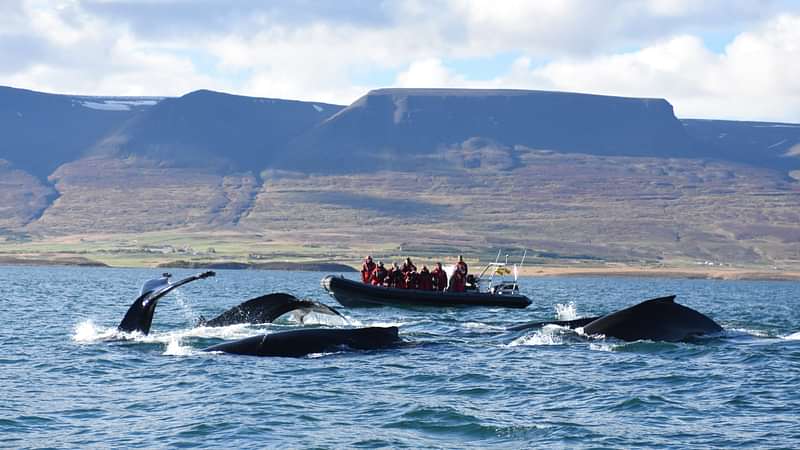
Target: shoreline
x: 678, y: 272
x: 691, y: 273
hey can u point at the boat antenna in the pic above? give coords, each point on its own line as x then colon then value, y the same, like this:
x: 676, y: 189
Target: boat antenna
x: 497, y: 258
x: 521, y: 263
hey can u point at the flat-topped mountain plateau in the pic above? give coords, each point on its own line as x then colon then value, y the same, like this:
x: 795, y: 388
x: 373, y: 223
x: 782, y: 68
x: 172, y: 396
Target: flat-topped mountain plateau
x: 579, y: 180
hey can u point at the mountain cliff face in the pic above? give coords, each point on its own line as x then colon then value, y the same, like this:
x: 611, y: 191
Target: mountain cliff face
x: 39, y: 132
x: 212, y: 129
x: 614, y: 178
x: 763, y: 144
x: 389, y: 128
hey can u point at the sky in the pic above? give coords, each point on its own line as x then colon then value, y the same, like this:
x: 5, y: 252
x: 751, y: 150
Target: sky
x: 724, y: 59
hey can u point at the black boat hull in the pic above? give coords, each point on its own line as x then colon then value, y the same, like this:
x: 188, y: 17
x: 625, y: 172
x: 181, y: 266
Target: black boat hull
x: 354, y: 294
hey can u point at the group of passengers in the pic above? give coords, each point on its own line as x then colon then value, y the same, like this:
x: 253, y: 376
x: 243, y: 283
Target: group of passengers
x: 407, y: 277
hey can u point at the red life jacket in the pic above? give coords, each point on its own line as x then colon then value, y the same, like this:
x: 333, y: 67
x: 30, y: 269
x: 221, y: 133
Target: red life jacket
x: 366, y: 271
x: 412, y: 280
x: 378, y: 276
x: 439, y: 279
x: 458, y: 282
x: 425, y: 281
x: 398, y: 279
x: 389, y: 281
x: 409, y: 268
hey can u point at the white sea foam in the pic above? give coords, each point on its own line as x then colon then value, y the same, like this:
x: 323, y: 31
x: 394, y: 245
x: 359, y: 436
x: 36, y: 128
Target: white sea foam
x: 87, y: 332
x: 482, y: 327
x: 175, y: 348
x: 739, y: 332
x: 602, y: 346
x: 237, y: 331
x: 547, y: 335
x: 358, y: 323
x: 315, y: 318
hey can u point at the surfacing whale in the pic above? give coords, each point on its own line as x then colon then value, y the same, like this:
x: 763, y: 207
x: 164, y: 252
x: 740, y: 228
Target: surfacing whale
x: 140, y: 314
x: 303, y: 342
x: 263, y: 309
x: 267, y: 308
x: 659, y: 319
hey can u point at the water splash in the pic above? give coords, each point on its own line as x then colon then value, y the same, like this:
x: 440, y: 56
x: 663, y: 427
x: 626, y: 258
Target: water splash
x: 175, y: 348
x: 745, y: 332
x: 314, y: 318
x: 87, y: 332
x: 185, y: 306
x: 603, y: 346
x: 566, y: 311
x: 547, y: 335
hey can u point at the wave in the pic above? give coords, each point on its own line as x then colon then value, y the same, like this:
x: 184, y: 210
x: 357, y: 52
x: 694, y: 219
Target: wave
x: 482, y: 327
x: 547, y: 335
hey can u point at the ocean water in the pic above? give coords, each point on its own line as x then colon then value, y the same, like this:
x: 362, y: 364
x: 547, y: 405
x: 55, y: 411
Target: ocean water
x: 69, y: 380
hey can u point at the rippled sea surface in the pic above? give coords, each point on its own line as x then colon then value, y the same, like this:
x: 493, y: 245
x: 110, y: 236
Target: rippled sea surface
x: 68, y: 380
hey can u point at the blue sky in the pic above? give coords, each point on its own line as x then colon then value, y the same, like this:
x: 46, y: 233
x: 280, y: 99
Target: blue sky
x: 716, y: 58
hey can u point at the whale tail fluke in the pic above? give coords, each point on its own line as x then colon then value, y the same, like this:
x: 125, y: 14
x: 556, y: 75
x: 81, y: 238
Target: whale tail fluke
x: 139, y: 316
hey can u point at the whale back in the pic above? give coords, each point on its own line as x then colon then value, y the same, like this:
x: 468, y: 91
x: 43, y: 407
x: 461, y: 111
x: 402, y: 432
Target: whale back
x: 265, y: 309
x: 303, y: 342
x: 659, y: 319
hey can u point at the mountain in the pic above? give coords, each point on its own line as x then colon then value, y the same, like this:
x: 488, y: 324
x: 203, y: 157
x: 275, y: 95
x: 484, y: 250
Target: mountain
x: 39, y: 132
x: 429, y: 171
x: 212, y: 129
x: 391, y: 128
x: 764, y: 144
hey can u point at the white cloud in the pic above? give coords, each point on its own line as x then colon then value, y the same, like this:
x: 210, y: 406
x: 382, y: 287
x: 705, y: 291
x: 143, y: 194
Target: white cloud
x: 754, y: 78
x: 322, y: 51
x: 429, y: 73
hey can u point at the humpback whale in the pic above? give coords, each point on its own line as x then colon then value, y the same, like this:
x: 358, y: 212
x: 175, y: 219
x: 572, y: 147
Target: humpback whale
x: 298, y: 343
x: 267, y: 308
x: 140, y: 314
x: 263, y: 309
x: 658, y: 319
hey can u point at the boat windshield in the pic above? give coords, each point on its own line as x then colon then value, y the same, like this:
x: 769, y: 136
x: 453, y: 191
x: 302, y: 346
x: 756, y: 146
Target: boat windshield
x: 498, y: 278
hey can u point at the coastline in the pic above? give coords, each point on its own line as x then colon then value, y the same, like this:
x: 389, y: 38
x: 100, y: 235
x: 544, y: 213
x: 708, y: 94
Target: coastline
x: 616, y: 270
x: 702, y: 273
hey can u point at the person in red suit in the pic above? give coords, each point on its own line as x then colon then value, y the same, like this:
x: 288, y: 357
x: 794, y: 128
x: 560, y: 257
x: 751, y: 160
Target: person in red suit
x: 458, y: 282
x: 389, y: 280
x: 409, y: 266
x: 412, y: 279
x: 396, y: 277
x: 439, y: 278
x: 366, y: 269
x: 462, y: 266
x: 424, y: 279
x: 378, y: 276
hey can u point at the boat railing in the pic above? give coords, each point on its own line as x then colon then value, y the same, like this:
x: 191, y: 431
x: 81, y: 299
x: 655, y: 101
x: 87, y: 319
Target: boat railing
x: 498, y: 278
